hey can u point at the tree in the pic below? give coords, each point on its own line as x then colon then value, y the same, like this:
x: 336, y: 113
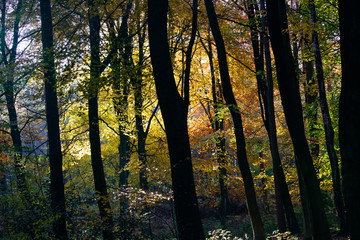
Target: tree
x: 328, y: 128
x: 261, y: 49
x: 9, y: 60
x: 349, y: 112
x: 138, y: 105
x: 290, y: 98
x: 256, y: 222
x: 52, y: 119
x: 96, y: 68
x: 174, y: 110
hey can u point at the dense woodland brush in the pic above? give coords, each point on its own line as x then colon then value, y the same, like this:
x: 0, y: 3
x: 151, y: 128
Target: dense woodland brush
x: 179, y: 119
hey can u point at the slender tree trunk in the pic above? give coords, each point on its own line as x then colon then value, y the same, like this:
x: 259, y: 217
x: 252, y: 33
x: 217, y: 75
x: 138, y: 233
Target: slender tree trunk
x: 257, y: 225
x: 8, y: 85
x: 217, y: 124
x: 138, y: 86
x: 264, y: 105
x: 329, y: 130
x: 121, y: 67
x: 290, y: 96
x: 52, y: 119
x: 141, y: 135
x: 349, y: 112
x: 281, y: 188
x: 311, y: 112
x: 220, y: 141
x: 303, y: 192
x: 3, y: 185
x: 102, y: 196
x: 174, y: 111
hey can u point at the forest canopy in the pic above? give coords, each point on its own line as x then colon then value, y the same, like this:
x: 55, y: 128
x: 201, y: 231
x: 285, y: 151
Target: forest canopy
x: 191, y: 120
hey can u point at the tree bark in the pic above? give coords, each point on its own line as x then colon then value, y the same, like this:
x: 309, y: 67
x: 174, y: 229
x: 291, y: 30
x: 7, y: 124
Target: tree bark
x: 290, y: 96
x: 52, y: 119
x: 329, y: 130
x: 174, y: 110
x: 349, y: 112
x: 257, y: 225
x: 102, y: 196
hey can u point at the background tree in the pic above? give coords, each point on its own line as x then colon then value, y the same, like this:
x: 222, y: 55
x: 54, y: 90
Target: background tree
x: 290, y: 96
x: 9, y: 59
x: 257, y: 225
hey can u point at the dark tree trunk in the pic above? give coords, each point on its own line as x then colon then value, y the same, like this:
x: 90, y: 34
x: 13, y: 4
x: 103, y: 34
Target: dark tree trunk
x: 95, y: 145
x: 264, y: 105
x: 281, y: 189
x: 174, y: 111
x: 311, y: 112
x: 290, y: 96
x: 303, y: 192
x: 121, y: 67
x: 217, y: 124
x: 349, y: 112
x: 329, y: 130
x: 52, y: 119
x: 8, y: 85
x: 219, y: 139
x: 141, y: 135
x: 257, y: 225
x: 138, y: 86
x: 304, y: 198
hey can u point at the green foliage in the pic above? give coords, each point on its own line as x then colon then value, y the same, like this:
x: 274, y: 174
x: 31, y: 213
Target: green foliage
x: 276, y: 235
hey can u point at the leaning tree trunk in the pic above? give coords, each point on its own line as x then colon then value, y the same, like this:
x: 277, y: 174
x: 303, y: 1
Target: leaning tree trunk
x: 303, y: 192
x: 264, y: 105
x: 329, y: 131
x: 102, y: 196
x: 174, y: 110
x: 279, y: 176
x: 349, y: 112
x: 257, y: 225
x: 52, y: 119
x: 290, y: 96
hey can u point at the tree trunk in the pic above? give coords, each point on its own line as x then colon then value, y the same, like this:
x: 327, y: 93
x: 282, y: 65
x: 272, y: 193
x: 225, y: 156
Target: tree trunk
x: 174, y: 110
x: 95, y: 145
x: 264, y: 105
x: 217, y: 124
x: 311, y: 110
x: 290, y: 96
x: 257, y: 225
x: 141, y: 135
x: 8, y: 85
x: 52, y: 119
x: 349, y: 112
x: 281, y: 188
x: 329, y: 130
x: 303, y: 192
